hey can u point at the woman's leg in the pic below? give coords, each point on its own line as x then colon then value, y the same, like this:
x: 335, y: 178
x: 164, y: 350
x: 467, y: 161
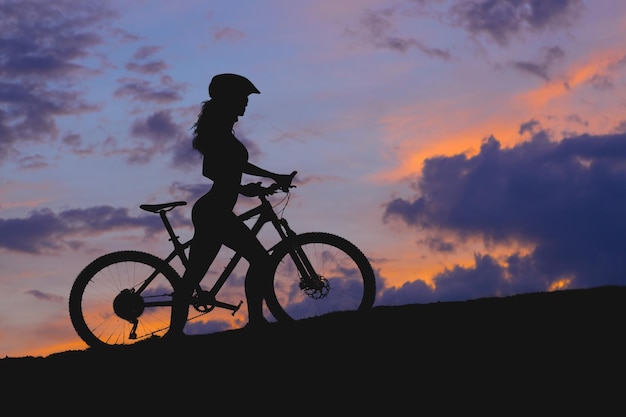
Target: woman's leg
x: 202, y: 252
x: 208, y: 238
x: 241, y: 239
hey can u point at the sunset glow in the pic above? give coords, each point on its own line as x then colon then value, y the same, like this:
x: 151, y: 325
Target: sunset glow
x: 469, y: 148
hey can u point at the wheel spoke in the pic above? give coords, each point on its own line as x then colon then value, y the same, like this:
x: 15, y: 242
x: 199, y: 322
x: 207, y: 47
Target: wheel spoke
x: 106, y: 310
x: 345, y: 279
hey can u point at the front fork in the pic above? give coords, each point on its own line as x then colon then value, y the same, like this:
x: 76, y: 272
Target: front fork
x: 310, y: 280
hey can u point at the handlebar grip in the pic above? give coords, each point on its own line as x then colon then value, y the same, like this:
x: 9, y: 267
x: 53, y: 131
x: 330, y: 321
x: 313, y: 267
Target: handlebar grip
x: 292, y: 175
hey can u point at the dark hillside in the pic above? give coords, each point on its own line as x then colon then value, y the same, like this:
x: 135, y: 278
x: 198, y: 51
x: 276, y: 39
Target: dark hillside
x: 556, y: 348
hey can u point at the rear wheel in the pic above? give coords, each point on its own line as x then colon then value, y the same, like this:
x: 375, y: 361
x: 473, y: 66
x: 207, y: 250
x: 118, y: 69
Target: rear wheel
x: 343, y: 278
x: 121, y: 298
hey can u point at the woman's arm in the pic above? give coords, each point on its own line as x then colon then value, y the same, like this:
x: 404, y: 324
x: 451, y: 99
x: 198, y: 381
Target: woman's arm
x: 283, y: 180
x: 252, y: 169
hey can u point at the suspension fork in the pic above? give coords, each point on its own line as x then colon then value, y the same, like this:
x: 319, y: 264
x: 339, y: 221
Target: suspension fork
x: 308, y: 277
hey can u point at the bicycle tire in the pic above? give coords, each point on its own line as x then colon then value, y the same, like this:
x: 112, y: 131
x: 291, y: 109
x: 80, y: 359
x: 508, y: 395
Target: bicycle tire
x: 104, y: 292
x: 351, y: 284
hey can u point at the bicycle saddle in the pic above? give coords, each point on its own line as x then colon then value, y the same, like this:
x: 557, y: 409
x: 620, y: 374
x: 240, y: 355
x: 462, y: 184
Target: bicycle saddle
x: 155, y: 208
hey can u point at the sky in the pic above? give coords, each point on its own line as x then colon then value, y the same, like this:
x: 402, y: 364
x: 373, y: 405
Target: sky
x: 470, y: 148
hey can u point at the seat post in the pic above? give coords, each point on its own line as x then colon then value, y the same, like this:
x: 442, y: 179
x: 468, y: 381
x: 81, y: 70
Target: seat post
x: 179, y: 248
x: 168, y: 227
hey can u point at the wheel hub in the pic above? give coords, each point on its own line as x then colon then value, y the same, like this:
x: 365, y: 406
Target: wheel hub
x: 128, y: 305
x: 315, y: 288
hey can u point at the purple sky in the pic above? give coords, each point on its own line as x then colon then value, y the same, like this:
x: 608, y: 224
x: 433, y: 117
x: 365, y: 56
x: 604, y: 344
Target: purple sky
x: 470, y: 148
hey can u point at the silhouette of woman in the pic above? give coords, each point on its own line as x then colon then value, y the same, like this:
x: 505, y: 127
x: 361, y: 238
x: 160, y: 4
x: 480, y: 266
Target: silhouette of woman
x: 225, y: 160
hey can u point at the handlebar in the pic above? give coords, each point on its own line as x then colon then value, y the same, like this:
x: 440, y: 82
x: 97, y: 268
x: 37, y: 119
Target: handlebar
x: 273, y: 188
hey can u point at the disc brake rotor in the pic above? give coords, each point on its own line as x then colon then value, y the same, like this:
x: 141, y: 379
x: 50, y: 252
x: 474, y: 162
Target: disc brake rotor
x: 315, y: 288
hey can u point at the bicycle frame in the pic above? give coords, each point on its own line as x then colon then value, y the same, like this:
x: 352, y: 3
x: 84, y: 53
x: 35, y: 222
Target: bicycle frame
x: 266, y: 214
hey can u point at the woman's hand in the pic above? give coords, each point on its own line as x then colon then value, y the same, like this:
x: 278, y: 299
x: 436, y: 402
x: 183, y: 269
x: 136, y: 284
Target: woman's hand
x: 284, y: 181
x: 251, y: 190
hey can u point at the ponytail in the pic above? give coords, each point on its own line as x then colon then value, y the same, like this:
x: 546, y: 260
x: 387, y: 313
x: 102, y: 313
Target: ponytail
x: 200, y: 126
x: 214, y: 119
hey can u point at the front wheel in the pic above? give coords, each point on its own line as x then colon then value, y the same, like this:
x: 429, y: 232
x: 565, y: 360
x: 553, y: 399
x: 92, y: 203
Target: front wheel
x: 318, y: 273
x: 121, y: 298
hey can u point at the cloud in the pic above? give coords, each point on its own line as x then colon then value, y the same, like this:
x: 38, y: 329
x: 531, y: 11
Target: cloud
x: 188, y: 192
x: 44, y: 231
x: 139, y: 64
x: 155, y: 134
x: 146, y: 52
x: 377, y: 27
x: 165, y: 137
x: 502, y: 20
x: 228, y: 34
x: 40, y: 58
x: 601, y: 82
x: 564, y: 199
x: 486, y: 278
x: 529, y: 126
x: 541, y: 68
x: 167, y: 91
x: 39, y: 295
x: 158, y: 126
x: 621, y: 127
x: 183, y: 154
x: 152, y: 67
x: 603, y: 79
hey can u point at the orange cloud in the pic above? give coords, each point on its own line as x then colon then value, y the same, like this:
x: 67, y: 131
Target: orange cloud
x: 446, y: 127
x: 564, y: 97
x: 414, y: 138
x: 546, y: 93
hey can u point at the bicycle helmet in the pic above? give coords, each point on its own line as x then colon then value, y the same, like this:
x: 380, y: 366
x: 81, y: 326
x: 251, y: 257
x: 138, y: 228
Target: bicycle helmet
x: 228, y: 85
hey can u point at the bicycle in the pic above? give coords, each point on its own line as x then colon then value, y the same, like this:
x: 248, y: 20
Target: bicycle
x: 126, y: 296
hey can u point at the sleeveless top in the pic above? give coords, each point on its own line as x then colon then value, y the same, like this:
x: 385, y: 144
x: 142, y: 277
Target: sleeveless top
x: 223, y: 162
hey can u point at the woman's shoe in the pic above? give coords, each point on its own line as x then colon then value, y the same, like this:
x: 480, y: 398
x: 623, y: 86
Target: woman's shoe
x: 257, y: 325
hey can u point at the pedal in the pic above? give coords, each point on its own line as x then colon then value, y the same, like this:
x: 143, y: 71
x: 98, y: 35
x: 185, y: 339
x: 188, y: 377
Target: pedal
x: 237, y: 308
